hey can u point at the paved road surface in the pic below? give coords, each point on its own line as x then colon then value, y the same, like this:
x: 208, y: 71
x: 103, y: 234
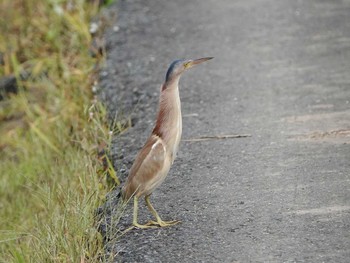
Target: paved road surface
x: 282, y: 74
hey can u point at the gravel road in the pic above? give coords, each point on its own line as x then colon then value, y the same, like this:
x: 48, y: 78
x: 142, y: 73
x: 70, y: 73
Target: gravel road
x: 282, y: 74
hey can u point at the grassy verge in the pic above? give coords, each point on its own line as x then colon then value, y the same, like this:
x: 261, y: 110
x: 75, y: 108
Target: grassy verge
x: 51, y: 180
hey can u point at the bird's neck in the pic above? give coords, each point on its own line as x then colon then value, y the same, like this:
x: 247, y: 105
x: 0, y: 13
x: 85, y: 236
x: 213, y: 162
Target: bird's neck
x: 169, y: 120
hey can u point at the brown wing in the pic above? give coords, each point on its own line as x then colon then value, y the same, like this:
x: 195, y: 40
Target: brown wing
x: 148, y: 163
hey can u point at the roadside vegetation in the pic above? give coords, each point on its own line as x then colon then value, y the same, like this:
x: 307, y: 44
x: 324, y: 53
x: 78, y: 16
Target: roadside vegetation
x: 51, y: 176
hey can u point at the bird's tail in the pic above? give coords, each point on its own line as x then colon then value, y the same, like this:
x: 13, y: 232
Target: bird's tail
x: 119, y: 195
x: 118, y: 209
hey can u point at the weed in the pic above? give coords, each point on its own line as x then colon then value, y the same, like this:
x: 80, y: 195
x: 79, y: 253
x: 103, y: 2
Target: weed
x: 50, y: 132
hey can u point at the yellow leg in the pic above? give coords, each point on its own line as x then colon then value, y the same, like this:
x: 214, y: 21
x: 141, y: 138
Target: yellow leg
x: 134, y: 221
x: 159, y: 222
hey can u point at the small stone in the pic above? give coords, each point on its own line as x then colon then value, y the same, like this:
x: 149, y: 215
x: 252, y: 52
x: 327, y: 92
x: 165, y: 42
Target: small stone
x: 104, y: 73
x: 94, y: 89
x: 93, y: 28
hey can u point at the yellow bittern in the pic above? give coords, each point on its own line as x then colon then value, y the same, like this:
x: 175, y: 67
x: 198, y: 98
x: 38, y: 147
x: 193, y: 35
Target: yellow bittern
x: 153, y: 161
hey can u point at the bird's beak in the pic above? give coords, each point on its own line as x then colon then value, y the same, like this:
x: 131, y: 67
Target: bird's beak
x: 194, y: 62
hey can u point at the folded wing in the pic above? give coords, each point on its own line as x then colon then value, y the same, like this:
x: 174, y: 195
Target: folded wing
x: 149, y: 164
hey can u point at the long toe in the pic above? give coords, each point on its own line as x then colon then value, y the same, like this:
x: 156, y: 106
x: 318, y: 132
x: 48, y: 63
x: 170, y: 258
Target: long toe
x: 162, y: 223
x: 152, y: 223
x: 171, y: 223
x: 144, y: 226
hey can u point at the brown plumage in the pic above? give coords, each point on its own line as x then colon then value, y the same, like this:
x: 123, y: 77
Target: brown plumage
x: 148, y: 170
x: 154, y: 160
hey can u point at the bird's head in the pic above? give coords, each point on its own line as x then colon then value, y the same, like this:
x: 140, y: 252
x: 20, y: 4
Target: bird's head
x: 179, y: 66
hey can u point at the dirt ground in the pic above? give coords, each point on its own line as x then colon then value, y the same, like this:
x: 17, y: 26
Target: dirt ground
x: 280, y: 74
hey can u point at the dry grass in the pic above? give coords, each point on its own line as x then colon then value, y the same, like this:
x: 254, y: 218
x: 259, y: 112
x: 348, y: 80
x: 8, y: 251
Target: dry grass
x: 50, y: 132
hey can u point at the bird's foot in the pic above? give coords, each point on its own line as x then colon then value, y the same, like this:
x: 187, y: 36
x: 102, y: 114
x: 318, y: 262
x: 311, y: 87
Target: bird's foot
x: 147, y: 225
x: 137, y: 225
x: 162, y: 223
x: 151, y: 224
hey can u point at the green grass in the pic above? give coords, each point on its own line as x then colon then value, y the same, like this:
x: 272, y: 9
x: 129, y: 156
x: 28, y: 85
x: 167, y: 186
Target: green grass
x: 51, y: 179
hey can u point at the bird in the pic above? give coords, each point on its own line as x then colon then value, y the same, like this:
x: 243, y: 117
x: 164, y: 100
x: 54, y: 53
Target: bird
x: 153, y: 161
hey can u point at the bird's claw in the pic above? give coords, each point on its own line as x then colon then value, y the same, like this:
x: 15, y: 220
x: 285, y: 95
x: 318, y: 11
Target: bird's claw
x: 145, y: 226
x: 162, y: 223
x: 151, y: 224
